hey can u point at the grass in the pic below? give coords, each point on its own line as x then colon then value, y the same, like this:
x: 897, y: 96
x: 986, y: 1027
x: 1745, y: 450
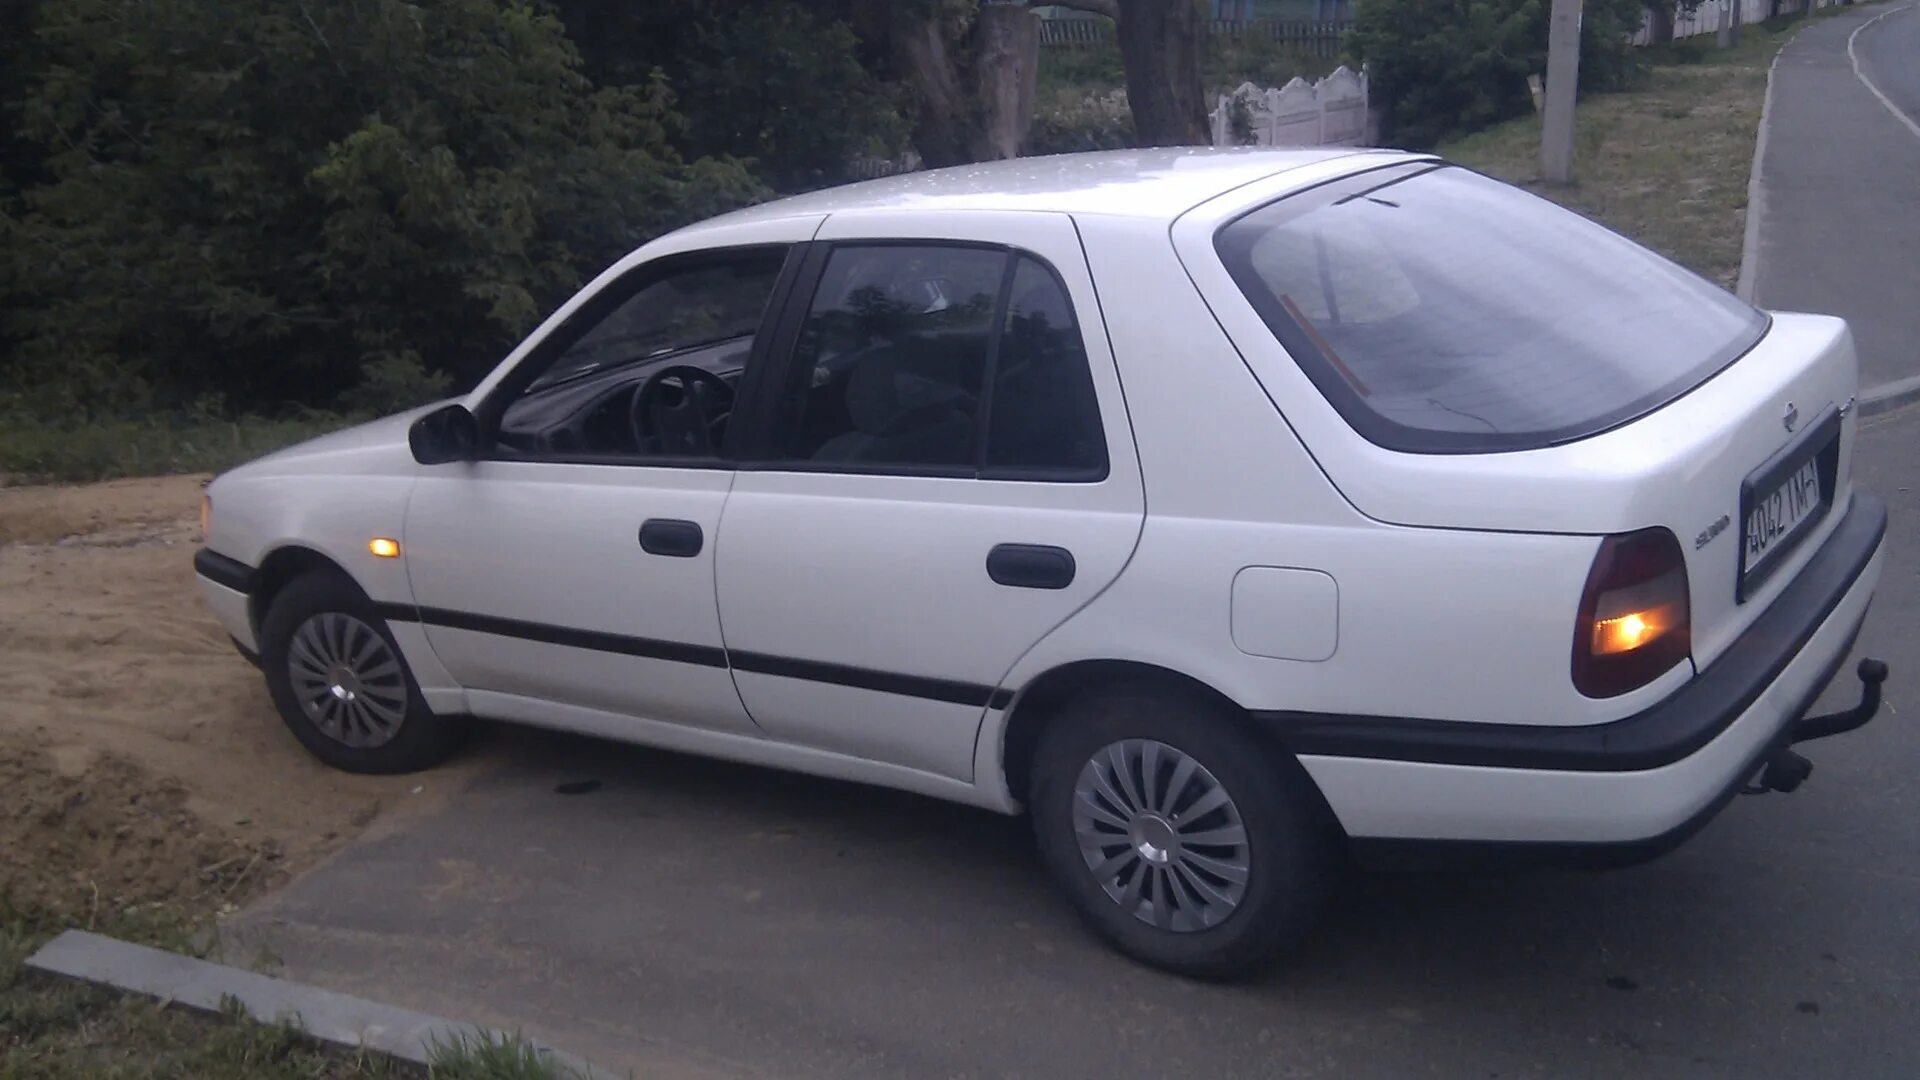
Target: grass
x: 35, y: 451
x: 57, y: 1029
x: 60, y: 1030
x: 1665, y: 164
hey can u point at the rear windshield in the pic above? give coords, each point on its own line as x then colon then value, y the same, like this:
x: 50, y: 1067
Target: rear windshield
x: 1444, y: 312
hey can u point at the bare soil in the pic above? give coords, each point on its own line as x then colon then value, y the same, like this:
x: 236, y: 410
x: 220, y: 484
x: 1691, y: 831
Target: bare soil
x: 140, y: 757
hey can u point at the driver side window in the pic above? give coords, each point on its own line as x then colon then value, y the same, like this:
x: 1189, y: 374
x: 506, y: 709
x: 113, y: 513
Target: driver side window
x: 646, y: 369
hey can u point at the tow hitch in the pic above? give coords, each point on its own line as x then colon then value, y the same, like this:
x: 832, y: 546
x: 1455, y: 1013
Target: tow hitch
x: 1785, y: 770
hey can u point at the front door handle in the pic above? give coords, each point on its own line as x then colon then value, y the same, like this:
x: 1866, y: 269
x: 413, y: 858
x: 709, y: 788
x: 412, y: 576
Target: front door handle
x: 1031, y: 566
x: 671, y: 537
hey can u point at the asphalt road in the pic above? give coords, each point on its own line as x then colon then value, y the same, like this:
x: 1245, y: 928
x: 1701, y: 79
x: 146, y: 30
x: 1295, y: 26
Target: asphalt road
x: 1839, y: 198
x: 1889, y: 53
x: 689, y: 918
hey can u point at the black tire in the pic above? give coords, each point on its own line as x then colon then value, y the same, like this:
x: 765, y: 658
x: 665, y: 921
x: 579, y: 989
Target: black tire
x: 422, y: 739
x: 1289, y: 843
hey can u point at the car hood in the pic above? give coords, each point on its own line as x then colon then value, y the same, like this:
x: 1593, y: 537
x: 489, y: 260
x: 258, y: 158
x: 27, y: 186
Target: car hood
x: 362, y: 447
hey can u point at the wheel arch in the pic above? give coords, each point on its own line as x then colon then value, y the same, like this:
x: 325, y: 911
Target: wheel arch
x: 1040, y: 701
x: 278, y: 569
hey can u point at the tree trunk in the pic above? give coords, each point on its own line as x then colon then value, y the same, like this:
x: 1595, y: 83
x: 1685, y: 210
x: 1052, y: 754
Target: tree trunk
x: 946, y: 128
x: 1160, y: 42
x: 1006, y: 67
x: 1659, y: 22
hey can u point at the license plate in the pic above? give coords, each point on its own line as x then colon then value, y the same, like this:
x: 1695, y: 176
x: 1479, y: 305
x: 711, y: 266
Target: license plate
x: 1778, y: 514
x: 1782, y: 501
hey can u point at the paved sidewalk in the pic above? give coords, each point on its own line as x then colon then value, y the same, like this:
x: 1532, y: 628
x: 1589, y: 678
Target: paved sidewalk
x: 1839, y: 182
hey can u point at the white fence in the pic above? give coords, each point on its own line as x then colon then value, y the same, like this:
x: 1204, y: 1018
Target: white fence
x: 1330, y: 112
x: 1705, y: 19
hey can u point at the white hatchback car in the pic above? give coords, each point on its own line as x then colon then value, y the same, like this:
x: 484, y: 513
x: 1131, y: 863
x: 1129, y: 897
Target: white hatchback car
x: 1228, y: 511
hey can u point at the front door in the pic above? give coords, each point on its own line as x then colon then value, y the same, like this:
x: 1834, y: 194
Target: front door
x: 573, y: 565
x: 948, y: 475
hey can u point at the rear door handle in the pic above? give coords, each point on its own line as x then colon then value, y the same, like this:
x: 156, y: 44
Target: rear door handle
x: 1031, y: 566
x: 671, y: 537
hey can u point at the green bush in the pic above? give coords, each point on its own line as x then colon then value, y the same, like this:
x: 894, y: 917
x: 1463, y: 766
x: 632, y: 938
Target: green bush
x: 1067, y: 122
x: 1447, y: 67
x: 1081, y: 68
x: 34, y: 450
x: 1260, y: 60
x: 289, y: 201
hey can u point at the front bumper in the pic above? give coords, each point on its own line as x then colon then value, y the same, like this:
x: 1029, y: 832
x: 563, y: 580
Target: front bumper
x: 1644, y: 782
x: 226, y: 585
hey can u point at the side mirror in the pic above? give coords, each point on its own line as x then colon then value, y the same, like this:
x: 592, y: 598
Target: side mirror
x: 449, y: 433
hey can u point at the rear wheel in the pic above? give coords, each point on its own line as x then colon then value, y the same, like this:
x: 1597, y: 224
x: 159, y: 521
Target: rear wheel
x: 341, y: 683
x: 1182, y: 838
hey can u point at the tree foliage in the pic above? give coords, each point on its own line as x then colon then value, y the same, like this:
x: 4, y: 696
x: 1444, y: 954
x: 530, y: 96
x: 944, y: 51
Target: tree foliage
x: 787, y: 86
x: 1442, y: 67
x: 291, y: 201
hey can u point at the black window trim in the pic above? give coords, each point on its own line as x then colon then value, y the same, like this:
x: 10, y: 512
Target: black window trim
x: 602, y: 304
x: 1297, y: 342
x: 757, y: 448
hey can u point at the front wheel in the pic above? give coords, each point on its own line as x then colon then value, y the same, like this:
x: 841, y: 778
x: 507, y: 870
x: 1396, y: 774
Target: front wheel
x: 1183, y: 839
x: 341, y: 684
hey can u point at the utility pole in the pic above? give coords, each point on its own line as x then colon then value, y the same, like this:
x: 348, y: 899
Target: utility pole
x: 1563, y: 80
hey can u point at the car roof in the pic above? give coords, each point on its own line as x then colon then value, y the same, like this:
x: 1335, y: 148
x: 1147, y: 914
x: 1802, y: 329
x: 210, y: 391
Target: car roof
x: 1160, y: 183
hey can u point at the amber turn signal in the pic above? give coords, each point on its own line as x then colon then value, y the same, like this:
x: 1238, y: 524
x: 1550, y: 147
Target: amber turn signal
x: 384, y: 547
x: 1628, y: 632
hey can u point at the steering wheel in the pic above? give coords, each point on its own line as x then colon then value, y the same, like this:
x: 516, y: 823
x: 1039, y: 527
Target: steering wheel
x: 680, y: 410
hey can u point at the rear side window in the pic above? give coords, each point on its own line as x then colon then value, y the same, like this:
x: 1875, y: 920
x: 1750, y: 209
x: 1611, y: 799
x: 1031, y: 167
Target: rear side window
x: 1443, y: 312
x: 958, y: 360
x: 1042, y: 415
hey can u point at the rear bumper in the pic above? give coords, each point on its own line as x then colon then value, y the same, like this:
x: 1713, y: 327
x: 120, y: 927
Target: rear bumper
x: 1643, y: 782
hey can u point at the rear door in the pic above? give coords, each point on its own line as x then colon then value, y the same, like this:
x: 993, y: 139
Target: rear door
x: 947, y: 475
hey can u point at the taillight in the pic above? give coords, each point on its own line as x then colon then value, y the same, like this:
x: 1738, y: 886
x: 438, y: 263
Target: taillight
x: 1634, y: 617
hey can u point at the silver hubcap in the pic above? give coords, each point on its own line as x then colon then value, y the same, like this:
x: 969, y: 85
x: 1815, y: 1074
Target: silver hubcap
x: 348, y: 680
x: 1161, y: 835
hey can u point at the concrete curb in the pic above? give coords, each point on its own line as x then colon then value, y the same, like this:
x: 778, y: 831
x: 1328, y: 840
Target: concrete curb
x: 1749, y: 280
x: 1756, y: 191
x: 338, y: 1019
x: 1889, y: 396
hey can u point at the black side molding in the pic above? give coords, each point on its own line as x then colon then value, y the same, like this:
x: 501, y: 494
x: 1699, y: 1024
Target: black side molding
x: 597, y: 640
x: 886, y: 682
x: 920, y: 686
x: 217, y: 568
x: 1660, y: 735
